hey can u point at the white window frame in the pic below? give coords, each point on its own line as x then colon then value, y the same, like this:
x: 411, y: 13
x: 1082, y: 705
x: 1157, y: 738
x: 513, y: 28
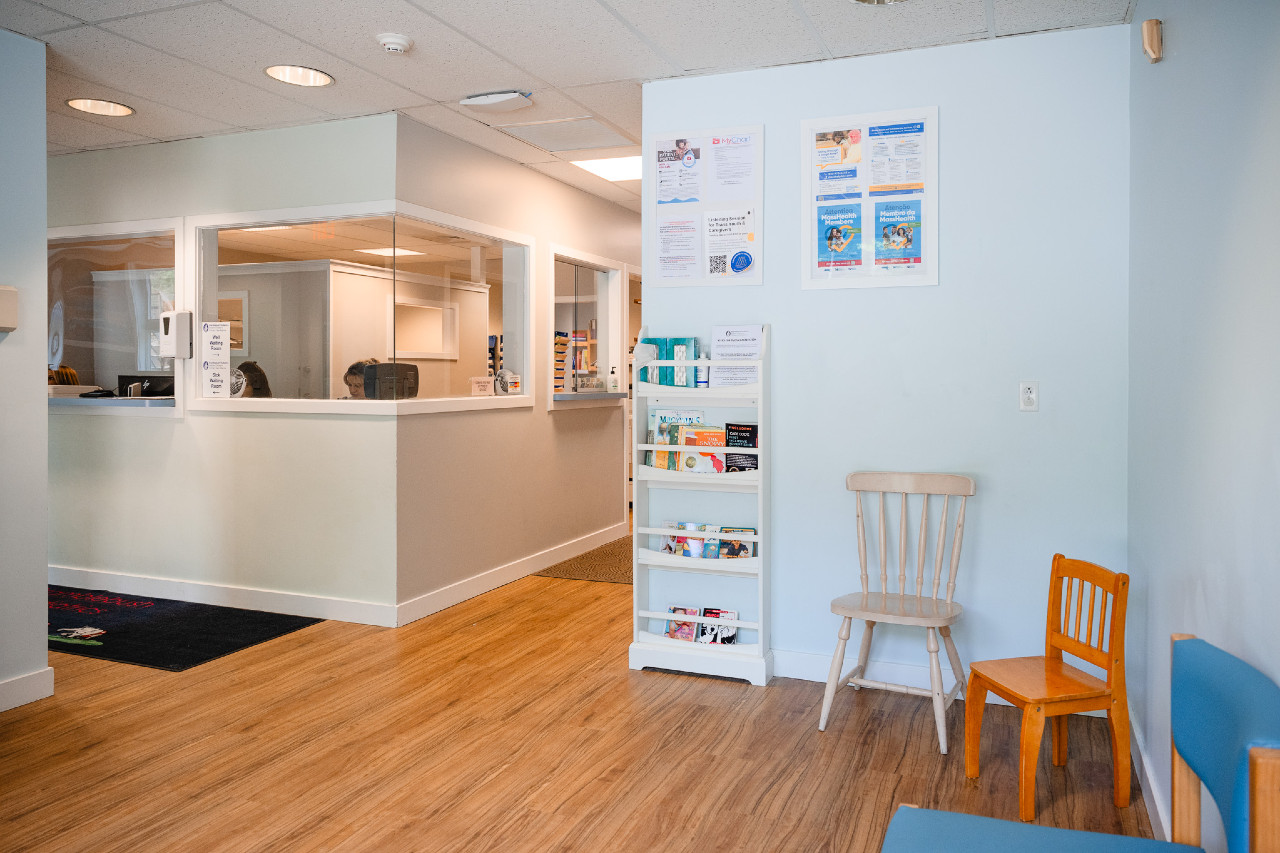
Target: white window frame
x: 195, y: 225
x: 612, y: 313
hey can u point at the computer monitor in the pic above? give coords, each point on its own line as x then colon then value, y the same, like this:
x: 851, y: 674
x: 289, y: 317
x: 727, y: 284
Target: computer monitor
x: 395, y: 381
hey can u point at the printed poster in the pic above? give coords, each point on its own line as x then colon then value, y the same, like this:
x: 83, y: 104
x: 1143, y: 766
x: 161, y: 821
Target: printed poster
x: 707, y: 200
x: 870, y: 183
x: 215, y: 359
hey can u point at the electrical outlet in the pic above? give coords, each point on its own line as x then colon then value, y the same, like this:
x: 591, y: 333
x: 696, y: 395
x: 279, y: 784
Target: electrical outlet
x: 1028, y: 396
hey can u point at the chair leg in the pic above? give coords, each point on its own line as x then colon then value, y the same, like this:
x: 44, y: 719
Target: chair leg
x: 935, y: 684
x: 1028, y: 758
x: 864, y: 650
x: 1059, y: 735
x: 833, y: 677
x: 956, y: 666
x: 1118, y: 719
x: 975, y: 702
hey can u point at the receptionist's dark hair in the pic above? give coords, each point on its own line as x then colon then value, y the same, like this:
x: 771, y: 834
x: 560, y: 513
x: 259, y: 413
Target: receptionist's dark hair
x: 357, y: 367
x: 256, y: 378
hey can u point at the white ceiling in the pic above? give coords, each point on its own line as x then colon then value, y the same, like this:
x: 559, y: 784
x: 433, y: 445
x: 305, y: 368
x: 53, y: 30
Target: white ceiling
x: 195, y: 67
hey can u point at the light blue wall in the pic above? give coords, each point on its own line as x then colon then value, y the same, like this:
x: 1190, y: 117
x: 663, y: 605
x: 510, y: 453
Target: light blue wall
x: 1204, y: 475
x: 1034, y: 189
x: 24, y: 672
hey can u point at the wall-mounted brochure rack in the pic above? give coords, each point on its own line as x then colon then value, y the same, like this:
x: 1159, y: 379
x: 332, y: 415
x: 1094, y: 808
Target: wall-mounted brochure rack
x: 733, y: 499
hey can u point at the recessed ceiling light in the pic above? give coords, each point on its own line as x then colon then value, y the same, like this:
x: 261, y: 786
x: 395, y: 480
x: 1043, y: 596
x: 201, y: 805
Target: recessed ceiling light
x: 298, y: 75
x: 99, y: 108
x: 389, y: 253
x: 614, y: 168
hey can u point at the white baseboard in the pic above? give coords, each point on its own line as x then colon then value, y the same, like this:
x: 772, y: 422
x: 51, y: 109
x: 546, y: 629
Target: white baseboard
x: 439, y: 599
x: 322, y: 607
x: 296, y: 604
x: 1157, y: 802
x: 22, y: 689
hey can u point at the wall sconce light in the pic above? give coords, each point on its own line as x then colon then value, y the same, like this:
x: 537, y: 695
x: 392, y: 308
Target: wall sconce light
x: 1152, y: 41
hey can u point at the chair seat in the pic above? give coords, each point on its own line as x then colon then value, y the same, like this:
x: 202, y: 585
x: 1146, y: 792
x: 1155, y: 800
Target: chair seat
x: 1039, y: 679
x: 927, y: 831
x: 898, y: 609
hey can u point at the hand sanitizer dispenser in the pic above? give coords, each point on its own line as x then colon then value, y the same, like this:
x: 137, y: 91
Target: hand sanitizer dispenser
x: 175, y: 334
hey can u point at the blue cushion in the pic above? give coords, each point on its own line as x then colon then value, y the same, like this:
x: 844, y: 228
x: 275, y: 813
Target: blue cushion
x: 1221, y: 707
x: 927, y: 831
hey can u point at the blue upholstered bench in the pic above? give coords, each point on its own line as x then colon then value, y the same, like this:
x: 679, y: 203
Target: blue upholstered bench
x: 1226, y: 734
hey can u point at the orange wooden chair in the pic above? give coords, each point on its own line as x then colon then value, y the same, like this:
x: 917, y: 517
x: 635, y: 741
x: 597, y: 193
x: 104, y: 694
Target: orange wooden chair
x: 1086, y: 619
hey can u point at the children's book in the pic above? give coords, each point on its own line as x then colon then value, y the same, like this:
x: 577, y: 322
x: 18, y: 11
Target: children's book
x: 701, y: 462
x: 731, y: 547
x: 741, y: 462
x: 667, y: 544
x: 663, y: 429
x: 715, y: 634
x: 711, y: 546
x: 682, y: 630
x: 693, y: 545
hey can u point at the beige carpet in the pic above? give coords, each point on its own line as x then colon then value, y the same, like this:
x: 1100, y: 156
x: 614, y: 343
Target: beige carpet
x: 610, y: 563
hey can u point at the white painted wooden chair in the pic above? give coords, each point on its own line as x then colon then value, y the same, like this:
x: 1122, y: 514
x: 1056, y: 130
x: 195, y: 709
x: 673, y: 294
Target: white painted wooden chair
x: 922, y: 597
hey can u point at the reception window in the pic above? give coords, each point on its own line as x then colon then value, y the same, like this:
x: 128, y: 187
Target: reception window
x: 105, y: 298
x: 374, y: 307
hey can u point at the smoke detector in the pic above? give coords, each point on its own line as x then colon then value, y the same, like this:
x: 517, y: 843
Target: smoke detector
x: 395, y: 43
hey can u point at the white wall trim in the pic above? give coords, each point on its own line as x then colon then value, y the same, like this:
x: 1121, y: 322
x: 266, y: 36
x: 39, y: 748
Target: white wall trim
x: 23, y: 689
x: 437, y: 600
x: 274, y: 601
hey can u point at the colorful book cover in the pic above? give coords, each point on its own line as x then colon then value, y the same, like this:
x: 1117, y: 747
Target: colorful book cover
x: 711, y: 546
x: 667, y: 544
x: 716, y: 634
x: 741, y: 435
x: 682, y: 630
x: 663, y: 427
x: 734, y: 462
x: 701, y: 462
x: 731, y: 547
x: 693, y: 545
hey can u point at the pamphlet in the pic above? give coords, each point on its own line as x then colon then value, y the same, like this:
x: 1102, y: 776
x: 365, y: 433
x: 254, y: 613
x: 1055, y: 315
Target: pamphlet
x: 736, y: 342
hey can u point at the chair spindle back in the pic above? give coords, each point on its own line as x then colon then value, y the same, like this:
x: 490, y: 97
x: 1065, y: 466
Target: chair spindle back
x: 915, y: 490
x: 1087, y: 605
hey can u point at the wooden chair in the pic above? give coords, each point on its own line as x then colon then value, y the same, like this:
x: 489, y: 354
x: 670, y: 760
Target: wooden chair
x: 920, y: 598
x: 1086, y: 619
x: 1225, y: 726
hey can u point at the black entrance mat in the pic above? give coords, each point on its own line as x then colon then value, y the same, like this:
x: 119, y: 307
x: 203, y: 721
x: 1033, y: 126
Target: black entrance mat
x: 156, y: 632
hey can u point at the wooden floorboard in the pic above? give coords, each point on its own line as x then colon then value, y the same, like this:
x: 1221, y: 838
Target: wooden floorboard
x: 509, y: 722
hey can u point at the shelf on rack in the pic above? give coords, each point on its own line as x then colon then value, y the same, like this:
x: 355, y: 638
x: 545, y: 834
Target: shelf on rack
x: 746, y: 567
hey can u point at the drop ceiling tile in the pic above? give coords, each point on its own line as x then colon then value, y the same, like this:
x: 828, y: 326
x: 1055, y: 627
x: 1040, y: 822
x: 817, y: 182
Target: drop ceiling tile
x: 1018, y: 16
x: 565, y: 42
x: 102, y: 10
x: 28, y: 19
x: 442, y: 65
x: 444, y: 119
x: 852, y: 29
x: 150, y: 119
x: 244, y: 47
x: 576, y: 135
x: 719, y: 35
x: 54, y: 150
x: 619, y: 103
x: 94, y: 54
x: 83, y: 135
x: 583, y: 180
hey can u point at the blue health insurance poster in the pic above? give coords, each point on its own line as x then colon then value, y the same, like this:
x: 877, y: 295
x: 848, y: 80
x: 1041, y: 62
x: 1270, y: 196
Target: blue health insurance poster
x: 899, y: 233
x: 839, y: 237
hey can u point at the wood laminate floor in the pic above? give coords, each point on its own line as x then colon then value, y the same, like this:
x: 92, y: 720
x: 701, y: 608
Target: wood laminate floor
x: 509, y: 722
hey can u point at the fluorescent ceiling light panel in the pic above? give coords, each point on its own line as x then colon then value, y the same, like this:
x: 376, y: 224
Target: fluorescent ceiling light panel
x: 568, y: 135
x: 497, y: 102
x: 268, y: 228
x: 99, y: 108
x: 389, y: 253
x: 614, y: 168
x: 298, y: 75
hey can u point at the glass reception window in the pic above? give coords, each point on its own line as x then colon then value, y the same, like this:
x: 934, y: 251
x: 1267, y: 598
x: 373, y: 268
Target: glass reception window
x: 587, y: 332
x: 105, y: 299
x: 385, y: 307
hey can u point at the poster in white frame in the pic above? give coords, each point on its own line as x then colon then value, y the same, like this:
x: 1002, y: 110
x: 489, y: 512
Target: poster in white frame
x: 704, y: 206
x: 870, y: 190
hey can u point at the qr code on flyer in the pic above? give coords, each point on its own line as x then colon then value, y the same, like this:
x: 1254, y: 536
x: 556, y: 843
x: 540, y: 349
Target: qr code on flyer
x: 719, y: 264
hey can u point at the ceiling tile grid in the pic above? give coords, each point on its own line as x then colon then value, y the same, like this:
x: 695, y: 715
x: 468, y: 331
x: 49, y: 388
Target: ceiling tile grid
x: 852, y: 29
x: 30, y: 19
x: 1014, y: 17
